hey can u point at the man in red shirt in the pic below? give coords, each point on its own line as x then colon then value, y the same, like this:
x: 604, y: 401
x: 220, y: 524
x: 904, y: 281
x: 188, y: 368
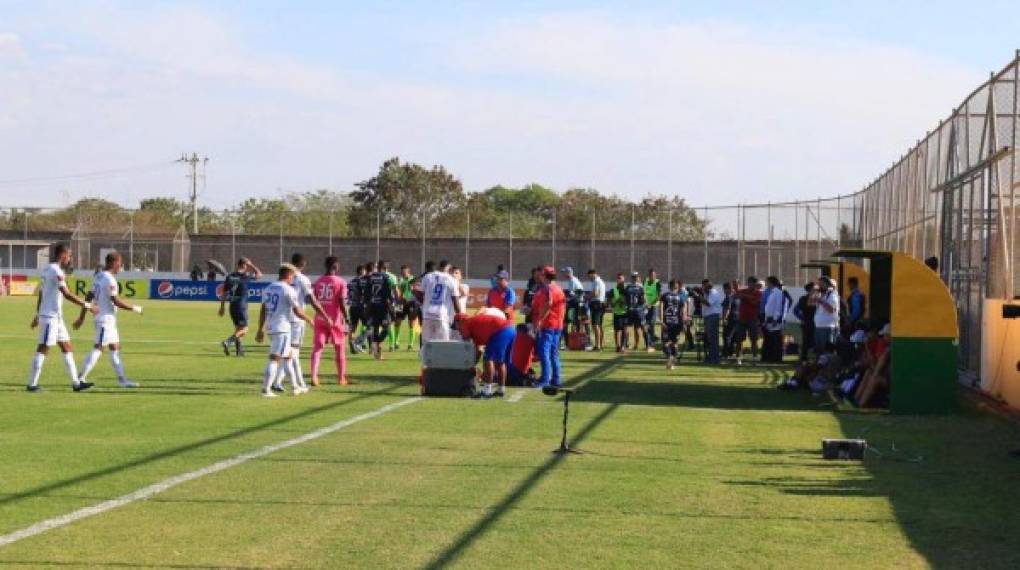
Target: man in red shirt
x: 496, y: 334
x: 548, y: 309
x: 748, y: 325
x: 502, y: 295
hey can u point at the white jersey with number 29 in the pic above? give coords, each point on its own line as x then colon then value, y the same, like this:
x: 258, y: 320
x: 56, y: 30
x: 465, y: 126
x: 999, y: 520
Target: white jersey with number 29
x: 279, y: 299
x: 438, y: 289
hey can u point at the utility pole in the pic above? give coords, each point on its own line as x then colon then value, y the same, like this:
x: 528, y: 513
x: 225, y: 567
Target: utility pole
x: 194, y: 160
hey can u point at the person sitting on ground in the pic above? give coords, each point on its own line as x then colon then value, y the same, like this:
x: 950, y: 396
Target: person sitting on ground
x: 877, y: 359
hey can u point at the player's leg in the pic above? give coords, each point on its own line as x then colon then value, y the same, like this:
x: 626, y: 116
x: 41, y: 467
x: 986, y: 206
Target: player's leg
x: 340, y: 352
x: 278, y: 344
x: 398, y: 321
x: 97, y: 352
x: 47, y: 338
x: 319, y: 337
x: 543, y: 350
x: 414, y: 318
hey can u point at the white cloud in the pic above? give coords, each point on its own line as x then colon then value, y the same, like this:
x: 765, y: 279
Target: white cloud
x: 10, y: 43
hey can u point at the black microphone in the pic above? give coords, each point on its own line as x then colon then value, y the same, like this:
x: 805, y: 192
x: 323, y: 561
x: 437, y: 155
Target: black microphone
x: 551, y: 390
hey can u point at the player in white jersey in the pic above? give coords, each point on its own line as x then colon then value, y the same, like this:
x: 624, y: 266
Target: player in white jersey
x: 279, y: 306
x: 303, y: 287
x: 106, y: 296
x: 50, y: 318
x: 439, y: 294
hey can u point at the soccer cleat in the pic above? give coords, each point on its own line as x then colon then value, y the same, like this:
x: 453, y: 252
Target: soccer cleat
x: 226, y: 348
x: 33, y: 388
x: 299, y: 390
x: 127, y: 383
x: 276, y: 388
x: 500, y: 393
x: 269, y: 394
x: 649, y: 350
x: 82, y: 386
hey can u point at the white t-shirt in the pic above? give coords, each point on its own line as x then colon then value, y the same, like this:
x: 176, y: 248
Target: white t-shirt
x: 597, y: 288
x: 823, y: 318
x: 438, y: 289
x: 303, y: 289
x: 465, y: 294
x: 572, y: 284
x: 280, y: 300
x: 52, y: 299
x: 712, y: 304
x: 104, y: 289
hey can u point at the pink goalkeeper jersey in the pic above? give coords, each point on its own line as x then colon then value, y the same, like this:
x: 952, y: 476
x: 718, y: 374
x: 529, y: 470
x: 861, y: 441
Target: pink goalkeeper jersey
x: 331, y: 292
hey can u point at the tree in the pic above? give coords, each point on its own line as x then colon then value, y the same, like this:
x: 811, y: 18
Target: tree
x: 402, y: 195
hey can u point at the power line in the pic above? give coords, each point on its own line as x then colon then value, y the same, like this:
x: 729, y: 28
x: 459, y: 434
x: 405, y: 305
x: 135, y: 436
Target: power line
x: 98, y: 174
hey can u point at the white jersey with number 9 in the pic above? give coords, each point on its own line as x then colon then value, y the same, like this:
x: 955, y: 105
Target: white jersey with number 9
x: 438, y: 289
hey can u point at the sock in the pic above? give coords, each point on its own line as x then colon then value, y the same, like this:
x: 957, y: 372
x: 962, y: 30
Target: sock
x: 410, y: 335
x: 341, y: 361
x: 37, y: 362
x: 295, y: 359
x: 238, y: 345
x: 231, y: 339
x: 316, y: 359
x: 394, y: 337
x: 288, y: 370
x: 72, y: 369
x: 90, y: 362
x: 272, y: 367
x: 118, y: 365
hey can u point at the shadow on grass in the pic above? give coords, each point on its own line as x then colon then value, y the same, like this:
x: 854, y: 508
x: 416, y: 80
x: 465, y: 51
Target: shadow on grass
x: 686, y: 393
x: 468, y: 537
x: 113, y: 469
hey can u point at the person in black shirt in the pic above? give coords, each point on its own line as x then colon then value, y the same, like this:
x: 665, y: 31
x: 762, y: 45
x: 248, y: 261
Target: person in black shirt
x: 634, y: 293
x: 805, y: 313
x: 359, y: 306
x: 235, y: 292
x: 529, y: 293
x: 674, y: 314
x: 379, y: 293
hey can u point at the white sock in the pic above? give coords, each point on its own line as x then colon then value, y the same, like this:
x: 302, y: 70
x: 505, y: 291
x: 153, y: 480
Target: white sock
x: 72, y: 369
x: 118, y: 364
x: 296, y: 363
x: 270, y: 376
x: 90, y: 362
x: 37, y: 362
x: 288, y: 370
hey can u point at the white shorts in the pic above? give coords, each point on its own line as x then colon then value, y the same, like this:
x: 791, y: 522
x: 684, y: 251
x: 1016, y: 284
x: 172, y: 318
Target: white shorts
x: 297, y: 334
x: 435, y: 329
x: 52, y: 330
x: 106, y: 332
x: 279, y: 344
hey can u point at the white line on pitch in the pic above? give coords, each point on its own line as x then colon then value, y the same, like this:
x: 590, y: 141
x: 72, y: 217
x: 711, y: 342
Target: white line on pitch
x: 518, y: 395
x: 166, y: 484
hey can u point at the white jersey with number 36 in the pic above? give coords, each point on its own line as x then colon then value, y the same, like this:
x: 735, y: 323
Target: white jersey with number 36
x: 279, y: 299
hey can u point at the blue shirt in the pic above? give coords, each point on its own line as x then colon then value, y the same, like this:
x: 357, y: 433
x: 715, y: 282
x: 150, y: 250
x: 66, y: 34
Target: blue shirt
x: 855, y: 305
x: 235, y: 288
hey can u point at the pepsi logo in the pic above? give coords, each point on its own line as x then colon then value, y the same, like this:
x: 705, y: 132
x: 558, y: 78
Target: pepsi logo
x: 219, y: 290
x: 165, y: 289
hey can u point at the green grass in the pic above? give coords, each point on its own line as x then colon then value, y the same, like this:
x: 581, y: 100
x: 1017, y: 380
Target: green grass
x: 695, y: 468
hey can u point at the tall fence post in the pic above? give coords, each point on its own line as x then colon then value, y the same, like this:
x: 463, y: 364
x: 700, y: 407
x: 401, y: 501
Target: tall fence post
x: 669, y: 245
x: 510, y: 237
x: 592, y: 261
x: 554, y: 238
x: 633, y: 214
x: 1013, y: 178
x: 282, y: 214
x: 768, y: 245
x: 24, y: 246
x: 818, y: 225
x: 131, y: 241
x: 737, y: 240
x: 704, y: 274
x: 467, y: 246
x: 378, y: 234
x: 796, y: 242
x: 331, y: 232
x: 233, y: 240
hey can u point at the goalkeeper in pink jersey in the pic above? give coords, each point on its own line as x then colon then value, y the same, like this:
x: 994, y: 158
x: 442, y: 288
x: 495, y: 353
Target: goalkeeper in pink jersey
x: 330, y: 291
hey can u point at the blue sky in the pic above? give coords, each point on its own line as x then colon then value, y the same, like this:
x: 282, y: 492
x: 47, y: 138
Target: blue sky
x: 716, y: 102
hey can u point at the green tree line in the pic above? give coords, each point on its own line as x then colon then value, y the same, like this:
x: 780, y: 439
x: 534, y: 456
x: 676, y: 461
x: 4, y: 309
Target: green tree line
x: 402, y: 199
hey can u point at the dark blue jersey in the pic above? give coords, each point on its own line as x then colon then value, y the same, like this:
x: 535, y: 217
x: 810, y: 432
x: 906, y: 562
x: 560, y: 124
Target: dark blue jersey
x: 634, y: 293
x: 235, y: 287
x: 355, y: 290
x: 672, y: 308
x: 380, y: 288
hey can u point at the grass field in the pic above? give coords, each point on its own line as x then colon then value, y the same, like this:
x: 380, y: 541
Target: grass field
x: 695, y: 468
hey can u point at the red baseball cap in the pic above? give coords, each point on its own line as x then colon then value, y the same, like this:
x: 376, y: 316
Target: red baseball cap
x: 549, y: 271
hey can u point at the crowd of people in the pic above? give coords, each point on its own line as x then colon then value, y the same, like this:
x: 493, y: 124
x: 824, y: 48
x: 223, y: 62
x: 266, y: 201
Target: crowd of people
x: 840, y: 351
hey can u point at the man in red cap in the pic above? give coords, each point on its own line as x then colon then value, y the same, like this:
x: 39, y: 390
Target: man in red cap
x: 548, y: 310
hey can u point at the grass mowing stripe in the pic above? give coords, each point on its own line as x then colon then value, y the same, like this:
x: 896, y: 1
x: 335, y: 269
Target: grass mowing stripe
x: 157, y: 488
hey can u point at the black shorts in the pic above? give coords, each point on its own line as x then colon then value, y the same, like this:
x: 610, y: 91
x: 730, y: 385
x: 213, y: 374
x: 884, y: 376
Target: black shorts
x: 598, y: 312
x: 636, y: 317
x: 356, y: 315
x: 412, y: 310
x: 378, y: 314
x: 619, y: 322
x: 672, y: 332
x: 239, y: 314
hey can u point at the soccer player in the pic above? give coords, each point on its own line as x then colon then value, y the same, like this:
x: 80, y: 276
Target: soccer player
x: 365, y: 293
x: 407, y: 308
x: 439, y: 291
x: 303, y: 287
x: 357, y: 310
x: 463, y: 289
x: 496, y: 333
x: 573, y: 289
x: 596, y: 294
x: 50, y: 317
x: 502, y: 295
x: 105, y: 294
x: 280, y: 307
x: 548, y: 310
x: 330, y: 291
x: 617, y: 299
x: 235, y: 291
x: 382, y: 292
x: 653, y: 290
x: 634, y: 292
x: 674, y: 315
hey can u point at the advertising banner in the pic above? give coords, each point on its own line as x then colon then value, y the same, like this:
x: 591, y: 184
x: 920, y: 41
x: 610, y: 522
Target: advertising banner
x: 187, y: 290
x: 129, y: 288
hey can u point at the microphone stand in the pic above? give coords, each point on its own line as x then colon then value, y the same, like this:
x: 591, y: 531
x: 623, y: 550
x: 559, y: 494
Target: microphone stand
x: 564, y: 447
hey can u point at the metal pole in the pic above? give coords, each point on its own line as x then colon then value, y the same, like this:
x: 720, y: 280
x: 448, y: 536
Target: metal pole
x: 743, y: 240
x: 467, y: 247
x: 24, y: 245
x: 1012, y: 179
x: 737, y: 256
x: 131, y: 242
x: 818, y: 225
x: 704, y: 274
x: 233, y: 241
x: 423, y: 240
x: 554, y: 238
x: 669, y: 245
x: 796, y: 240
x: 511, y: 239
x: 633, y: 213
x: 768, y: 246
x: 378, y: 230
x: 281, y: 237
x: 839, y: 221
x: 592, y: 266
x: 331, y: 232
